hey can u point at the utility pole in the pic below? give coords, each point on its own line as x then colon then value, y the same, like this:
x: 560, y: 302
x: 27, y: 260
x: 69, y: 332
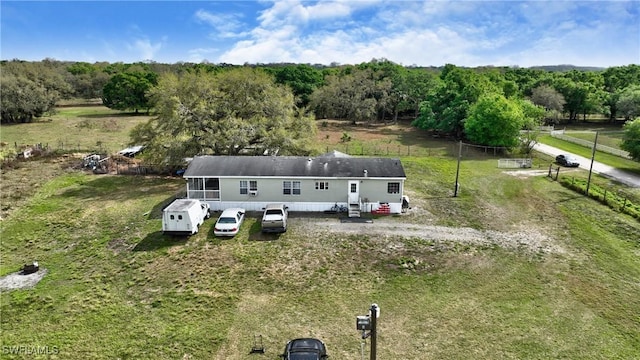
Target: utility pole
x: 455, y: 192
x: 593, y: 155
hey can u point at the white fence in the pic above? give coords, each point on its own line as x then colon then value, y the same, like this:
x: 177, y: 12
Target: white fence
x: 560, y: 134
x: 514, y: 163
x: 545, y: 129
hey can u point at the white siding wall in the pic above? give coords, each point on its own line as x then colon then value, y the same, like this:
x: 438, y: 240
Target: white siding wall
x: 396, y: 208
x: 372, y: 190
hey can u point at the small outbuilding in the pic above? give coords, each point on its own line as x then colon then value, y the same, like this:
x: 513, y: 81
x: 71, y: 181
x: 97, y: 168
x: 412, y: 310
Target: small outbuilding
x: 362, y: 184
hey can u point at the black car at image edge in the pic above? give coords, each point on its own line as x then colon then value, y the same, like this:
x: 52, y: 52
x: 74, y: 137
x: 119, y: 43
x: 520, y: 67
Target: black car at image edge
x: 305, y: 349
x: 567, y: 160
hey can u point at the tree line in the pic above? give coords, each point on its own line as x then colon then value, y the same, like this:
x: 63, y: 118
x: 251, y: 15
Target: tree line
x: 485, y: 105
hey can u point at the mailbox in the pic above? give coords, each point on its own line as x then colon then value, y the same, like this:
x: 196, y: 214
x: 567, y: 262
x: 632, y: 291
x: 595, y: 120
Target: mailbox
x: 363, y: 323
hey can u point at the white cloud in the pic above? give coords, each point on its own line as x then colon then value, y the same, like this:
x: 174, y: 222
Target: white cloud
x: 328, y: 10
x: 468, y: 33
x: 225, y: 25
x: 201, y: 54
x: 297, y: 12
x: 587, y: 45
x: 145, y: 48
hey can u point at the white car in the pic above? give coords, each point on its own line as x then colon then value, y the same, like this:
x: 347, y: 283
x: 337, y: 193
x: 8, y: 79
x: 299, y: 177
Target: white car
x: 229, y: 222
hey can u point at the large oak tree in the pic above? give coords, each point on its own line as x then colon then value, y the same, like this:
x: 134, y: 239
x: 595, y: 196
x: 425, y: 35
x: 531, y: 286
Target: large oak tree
x: 494, y: 121
x: 631, y: 139
x: 239, y: 111
x: 30, y: 89
x: 629, y: 102
x: 128, y: 91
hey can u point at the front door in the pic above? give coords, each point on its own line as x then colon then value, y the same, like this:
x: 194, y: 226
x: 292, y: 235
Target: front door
x: 354, y: 192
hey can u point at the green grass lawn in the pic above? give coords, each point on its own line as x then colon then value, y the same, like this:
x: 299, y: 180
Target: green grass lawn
x: 76, y: 128
x: 609, y: 138
x: 117, y: 288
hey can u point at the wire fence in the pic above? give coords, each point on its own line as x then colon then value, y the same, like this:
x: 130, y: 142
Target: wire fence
x: 102, y: 160
x: 450, y: 148
x: 561, y: 134
x: 616, y: 199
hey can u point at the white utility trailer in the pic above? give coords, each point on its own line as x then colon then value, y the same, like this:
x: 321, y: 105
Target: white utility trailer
x: 184, y: 216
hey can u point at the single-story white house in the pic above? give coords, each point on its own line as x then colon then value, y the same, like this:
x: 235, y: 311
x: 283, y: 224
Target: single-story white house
x: 362, y: 184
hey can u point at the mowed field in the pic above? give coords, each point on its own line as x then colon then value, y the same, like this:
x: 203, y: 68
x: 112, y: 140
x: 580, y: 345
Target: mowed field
x: 529, y: 270
x: 76, y: 128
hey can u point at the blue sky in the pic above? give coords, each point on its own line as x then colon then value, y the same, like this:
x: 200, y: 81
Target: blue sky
x: 425, y: 33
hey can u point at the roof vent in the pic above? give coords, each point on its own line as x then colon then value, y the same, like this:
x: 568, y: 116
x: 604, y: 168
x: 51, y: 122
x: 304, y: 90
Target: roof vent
x: 366, y: 173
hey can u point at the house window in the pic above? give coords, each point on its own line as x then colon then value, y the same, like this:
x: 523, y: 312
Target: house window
x: 246, y: 186
x: 291, y: 188
x: 393, y: 188
x: 322, y: 185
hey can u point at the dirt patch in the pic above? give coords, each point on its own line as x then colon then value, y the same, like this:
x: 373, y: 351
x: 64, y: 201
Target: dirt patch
x: 527, y: 173
x: 332, y: 131
x: 119, y: 245
x: 19, y: 281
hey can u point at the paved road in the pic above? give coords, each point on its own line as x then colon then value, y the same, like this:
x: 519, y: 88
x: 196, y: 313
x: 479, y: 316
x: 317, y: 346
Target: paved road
x: 624, y: 177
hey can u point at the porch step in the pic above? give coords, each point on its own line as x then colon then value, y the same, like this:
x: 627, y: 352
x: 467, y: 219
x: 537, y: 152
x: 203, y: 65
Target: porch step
x: 354, y: 210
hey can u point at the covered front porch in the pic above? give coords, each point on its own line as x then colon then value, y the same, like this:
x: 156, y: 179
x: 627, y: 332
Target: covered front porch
x: 207, y: 189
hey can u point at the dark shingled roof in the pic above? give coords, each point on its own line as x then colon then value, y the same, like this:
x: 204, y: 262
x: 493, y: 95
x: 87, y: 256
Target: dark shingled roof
x: 294, y: 166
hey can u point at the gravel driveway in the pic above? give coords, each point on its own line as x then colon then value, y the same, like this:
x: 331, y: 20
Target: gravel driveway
x: 530, y: 240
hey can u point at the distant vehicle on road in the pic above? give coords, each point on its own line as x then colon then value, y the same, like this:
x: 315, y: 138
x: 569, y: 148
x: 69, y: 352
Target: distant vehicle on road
x: 567, y: 160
